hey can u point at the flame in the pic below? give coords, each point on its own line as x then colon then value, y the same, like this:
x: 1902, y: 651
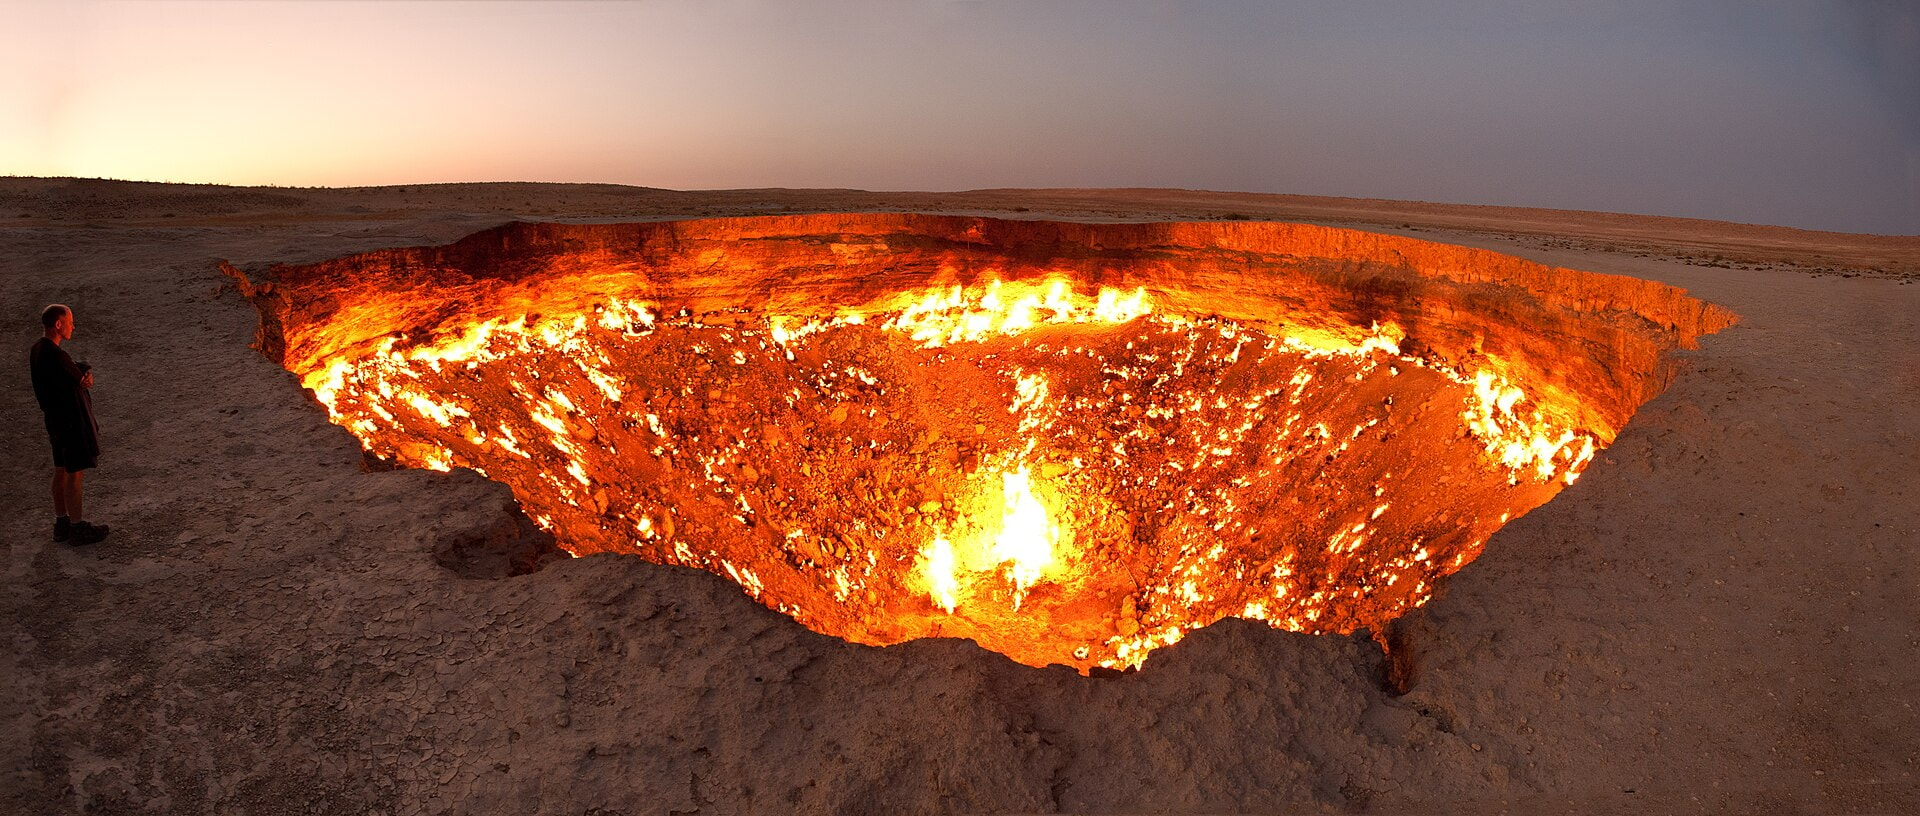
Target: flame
x: 1351, y: 341
x: 1027, y: 534
x: 1023, y: 548
x: 939, y: 568
x: 1158, y: 423
x: 958, y: 314
x: 1527, y: 444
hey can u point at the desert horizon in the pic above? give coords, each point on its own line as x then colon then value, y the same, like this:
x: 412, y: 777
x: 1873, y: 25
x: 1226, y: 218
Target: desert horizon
x: 1380, y: 204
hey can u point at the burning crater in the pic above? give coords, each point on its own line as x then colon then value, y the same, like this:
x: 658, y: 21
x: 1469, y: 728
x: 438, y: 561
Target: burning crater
x: 1071, y: 443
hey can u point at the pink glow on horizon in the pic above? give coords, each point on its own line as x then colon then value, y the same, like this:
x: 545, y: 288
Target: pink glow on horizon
x: 1774, y: 114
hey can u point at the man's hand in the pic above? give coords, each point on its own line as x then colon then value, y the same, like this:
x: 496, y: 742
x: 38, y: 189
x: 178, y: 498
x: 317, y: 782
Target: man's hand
x: 86, y: 380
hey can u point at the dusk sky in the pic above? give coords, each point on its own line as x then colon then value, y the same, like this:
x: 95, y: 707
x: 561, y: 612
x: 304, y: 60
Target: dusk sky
x: 1802, y: 114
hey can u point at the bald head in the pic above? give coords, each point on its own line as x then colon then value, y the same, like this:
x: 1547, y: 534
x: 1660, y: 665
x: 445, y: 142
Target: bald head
x: 57, y: 319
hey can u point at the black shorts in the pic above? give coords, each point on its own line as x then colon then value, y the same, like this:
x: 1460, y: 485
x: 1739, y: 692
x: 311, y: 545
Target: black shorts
x: 74, y: 448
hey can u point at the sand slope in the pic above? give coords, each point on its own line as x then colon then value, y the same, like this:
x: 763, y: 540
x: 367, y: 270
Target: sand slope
x: 1719, y: 617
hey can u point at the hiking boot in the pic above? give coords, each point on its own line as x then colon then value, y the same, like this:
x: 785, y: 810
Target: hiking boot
x: 88, y: 533
x: 62, y: 529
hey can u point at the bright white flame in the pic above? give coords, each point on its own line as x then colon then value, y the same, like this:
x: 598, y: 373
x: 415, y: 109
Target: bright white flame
x: 958, y: 315
x: 940, y: 581
x: 1026, y: 536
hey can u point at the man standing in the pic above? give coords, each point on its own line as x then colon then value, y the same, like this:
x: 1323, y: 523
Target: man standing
x: 61, y: 386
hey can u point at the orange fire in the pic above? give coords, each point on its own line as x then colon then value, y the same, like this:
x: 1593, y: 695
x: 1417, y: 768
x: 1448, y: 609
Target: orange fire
x: 561, y: 411
x: 944, y: 316
x: 1022, y: 549
x: 1072, y: 443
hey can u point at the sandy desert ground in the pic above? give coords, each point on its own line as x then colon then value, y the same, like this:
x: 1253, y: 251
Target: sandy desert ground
x: 1722, y: 615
